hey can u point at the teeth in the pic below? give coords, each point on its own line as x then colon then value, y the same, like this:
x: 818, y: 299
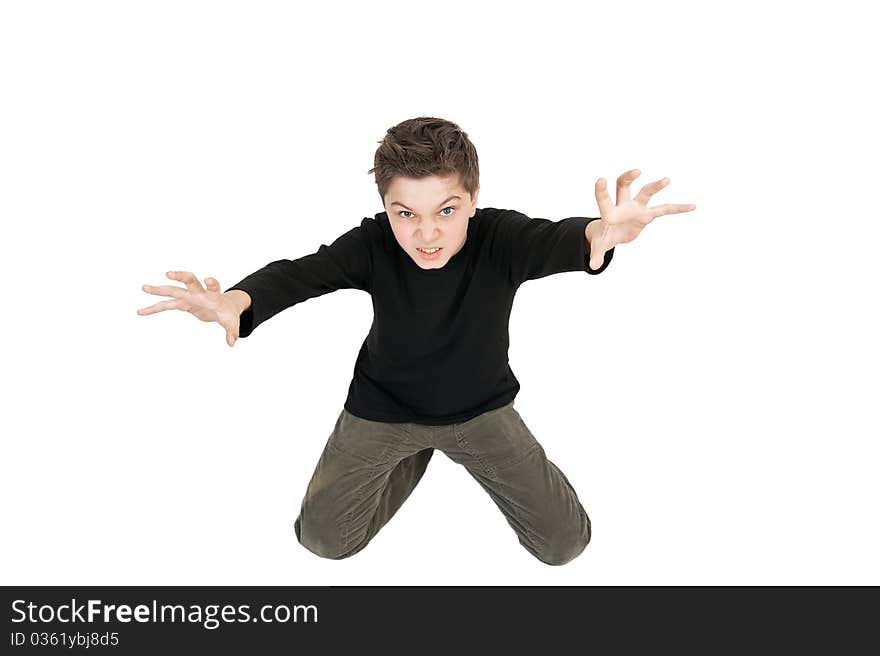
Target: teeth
x: 429, y: 251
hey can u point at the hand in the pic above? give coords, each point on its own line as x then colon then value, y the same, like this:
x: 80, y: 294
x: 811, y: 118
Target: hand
x: 204, y: 304
x: 621, y: 223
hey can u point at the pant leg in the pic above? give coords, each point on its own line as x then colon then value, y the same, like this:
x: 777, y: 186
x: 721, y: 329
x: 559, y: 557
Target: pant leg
x: 365, y: 473
x: 537, y: 499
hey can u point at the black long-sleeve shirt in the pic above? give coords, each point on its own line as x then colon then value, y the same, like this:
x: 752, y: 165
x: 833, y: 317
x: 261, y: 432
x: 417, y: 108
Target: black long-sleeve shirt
x: 437, y: 350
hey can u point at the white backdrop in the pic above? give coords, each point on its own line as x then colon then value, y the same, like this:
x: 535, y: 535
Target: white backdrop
x: 711, y: 395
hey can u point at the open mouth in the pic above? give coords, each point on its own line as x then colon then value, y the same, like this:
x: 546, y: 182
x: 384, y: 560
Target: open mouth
x: 429, y: 253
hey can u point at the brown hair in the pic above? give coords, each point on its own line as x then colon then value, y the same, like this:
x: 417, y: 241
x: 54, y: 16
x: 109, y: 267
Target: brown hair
x: 422, y: 146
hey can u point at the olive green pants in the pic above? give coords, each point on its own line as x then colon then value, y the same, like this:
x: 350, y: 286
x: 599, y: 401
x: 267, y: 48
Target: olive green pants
x: 369, y: 468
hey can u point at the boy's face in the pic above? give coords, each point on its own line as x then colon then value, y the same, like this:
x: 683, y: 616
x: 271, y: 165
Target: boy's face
x: 427, y: 213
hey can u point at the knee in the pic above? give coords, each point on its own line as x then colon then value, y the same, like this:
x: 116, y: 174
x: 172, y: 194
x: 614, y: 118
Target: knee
x: 567, y: 543
x: 323, y: 541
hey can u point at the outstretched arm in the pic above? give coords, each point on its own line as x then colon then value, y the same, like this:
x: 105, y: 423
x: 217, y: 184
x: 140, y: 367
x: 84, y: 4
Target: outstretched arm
x: 622, y: 222
x: 345, y: 263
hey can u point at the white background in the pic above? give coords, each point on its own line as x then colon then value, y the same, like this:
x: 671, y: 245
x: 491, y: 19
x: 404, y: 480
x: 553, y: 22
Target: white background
x: 711, y: 395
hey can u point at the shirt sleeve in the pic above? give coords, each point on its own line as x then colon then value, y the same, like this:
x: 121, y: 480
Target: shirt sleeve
x: 344, y: 264
x: 535, y: 248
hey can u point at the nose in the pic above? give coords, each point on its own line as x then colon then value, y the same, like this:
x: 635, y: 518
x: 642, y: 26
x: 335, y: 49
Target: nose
x: 429, y: 232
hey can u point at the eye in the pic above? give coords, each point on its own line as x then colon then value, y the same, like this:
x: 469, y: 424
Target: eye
x: 404, y: 212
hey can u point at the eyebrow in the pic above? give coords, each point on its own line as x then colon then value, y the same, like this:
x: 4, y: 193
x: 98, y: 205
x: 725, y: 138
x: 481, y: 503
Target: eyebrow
x: 441, y: 204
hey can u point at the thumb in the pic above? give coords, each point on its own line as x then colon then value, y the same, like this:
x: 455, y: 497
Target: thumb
x: 212, y: 285
x: 230, y: 338
x: 596, y: 259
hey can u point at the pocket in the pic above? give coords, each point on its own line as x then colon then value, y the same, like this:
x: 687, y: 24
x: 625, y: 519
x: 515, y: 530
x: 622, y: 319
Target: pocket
x: 370, y: 441
x: 498, y: 439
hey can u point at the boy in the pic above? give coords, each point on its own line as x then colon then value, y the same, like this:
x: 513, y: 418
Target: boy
x: 433, y: 372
